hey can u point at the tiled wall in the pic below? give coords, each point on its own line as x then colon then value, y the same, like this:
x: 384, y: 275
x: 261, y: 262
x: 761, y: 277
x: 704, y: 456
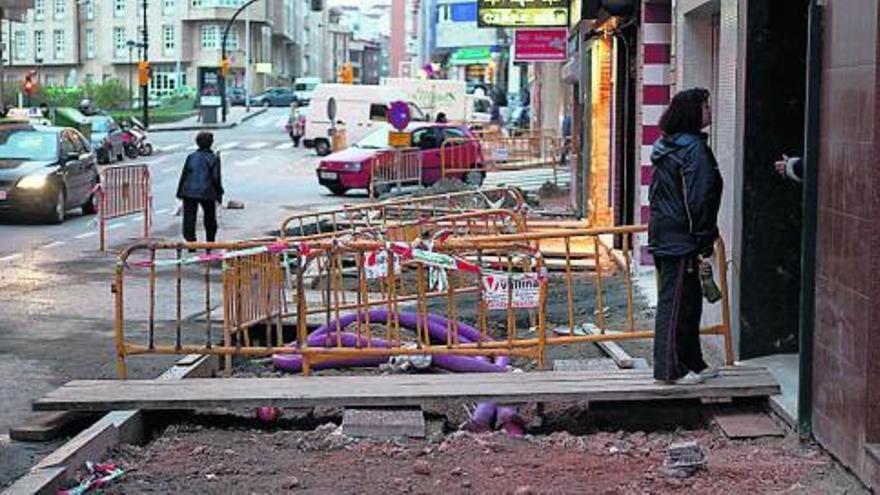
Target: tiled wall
x: 847, y: 345
x: 656, y: 87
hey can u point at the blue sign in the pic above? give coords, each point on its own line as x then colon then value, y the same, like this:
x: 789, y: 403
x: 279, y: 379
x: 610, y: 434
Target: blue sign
x: 464, y: 12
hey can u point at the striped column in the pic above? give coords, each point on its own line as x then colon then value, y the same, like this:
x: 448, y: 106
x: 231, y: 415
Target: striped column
x: 655, y: 95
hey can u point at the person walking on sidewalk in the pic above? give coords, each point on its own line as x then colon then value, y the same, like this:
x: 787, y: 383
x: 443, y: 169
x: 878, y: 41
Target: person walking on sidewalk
x: 201, y: 185
x: 685, y: 195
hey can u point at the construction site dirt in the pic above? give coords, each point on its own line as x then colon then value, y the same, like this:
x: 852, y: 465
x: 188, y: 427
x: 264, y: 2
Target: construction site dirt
x: 236, y: 454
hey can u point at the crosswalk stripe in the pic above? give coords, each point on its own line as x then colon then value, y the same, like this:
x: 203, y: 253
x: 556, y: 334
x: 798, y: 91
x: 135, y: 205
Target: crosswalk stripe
x: 172, y: 147
x: 227, y: 146
x: 257, y: 145
x: 284, y: 146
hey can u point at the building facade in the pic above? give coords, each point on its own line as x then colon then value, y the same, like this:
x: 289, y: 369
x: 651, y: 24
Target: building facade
x: 71, y: 42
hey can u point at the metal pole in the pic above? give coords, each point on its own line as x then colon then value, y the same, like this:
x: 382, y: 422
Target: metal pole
x: 223, y: 53
x: 2, y: 65
x: 146, y: 87
x: 130, y: 84
x: 247, y: 60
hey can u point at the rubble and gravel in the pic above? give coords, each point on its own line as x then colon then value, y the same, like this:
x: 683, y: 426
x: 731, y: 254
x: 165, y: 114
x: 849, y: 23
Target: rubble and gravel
x: 248, y: 459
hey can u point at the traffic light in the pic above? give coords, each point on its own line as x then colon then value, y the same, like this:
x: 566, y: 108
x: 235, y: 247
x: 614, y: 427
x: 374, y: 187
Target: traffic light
x: 143, y: 73
x: 30, y: 84
x: 348, y: 73
x: 224, y: 67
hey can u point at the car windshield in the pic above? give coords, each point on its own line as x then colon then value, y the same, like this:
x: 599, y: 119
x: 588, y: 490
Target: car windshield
x: 375, y: 140
x: 27, y: 144
x: 101, y: 124
x: 304, y: 87
x: 482, y: 106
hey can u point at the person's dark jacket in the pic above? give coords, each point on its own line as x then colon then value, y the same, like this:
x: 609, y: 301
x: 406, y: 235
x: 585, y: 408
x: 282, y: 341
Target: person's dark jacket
x: 685, y: 195
x: 201, y: 178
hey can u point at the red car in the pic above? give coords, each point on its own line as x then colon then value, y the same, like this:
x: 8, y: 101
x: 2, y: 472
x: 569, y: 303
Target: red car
x: 352, y: 168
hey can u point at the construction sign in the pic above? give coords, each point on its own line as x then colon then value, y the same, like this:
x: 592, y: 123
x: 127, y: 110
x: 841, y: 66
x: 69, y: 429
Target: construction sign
x: 524, y: 290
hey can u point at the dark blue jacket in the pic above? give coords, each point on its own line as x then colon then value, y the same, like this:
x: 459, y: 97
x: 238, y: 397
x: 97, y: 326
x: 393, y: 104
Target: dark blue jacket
x: 685, y: 196
x: 200, y: 178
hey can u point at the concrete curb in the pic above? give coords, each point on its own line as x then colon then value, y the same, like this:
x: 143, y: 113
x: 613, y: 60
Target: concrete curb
x: 209, y: 127
x: 114, y: 428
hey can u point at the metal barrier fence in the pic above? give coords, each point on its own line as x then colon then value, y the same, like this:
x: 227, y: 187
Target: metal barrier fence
x: 383, y: 298
x: 395, y: 168
x: 124, y: 190
x: 496, y: 154
x: 351, y: 218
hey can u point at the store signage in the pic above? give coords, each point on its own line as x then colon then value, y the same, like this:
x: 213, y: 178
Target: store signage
x: 209, y: 87
x: 541, y: 45
x: 522, y: 13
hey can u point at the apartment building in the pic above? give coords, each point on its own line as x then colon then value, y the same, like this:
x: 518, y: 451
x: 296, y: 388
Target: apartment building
x: 70, y: 42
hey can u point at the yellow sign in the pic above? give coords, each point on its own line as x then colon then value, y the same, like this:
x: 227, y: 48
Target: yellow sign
x: 399, y: 139
x: 523, y: 13
x: 263, y: 68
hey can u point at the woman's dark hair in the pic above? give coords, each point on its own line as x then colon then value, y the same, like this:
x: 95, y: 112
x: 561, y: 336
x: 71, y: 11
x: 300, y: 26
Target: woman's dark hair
x: 685, y: 112
x: 204, y: 140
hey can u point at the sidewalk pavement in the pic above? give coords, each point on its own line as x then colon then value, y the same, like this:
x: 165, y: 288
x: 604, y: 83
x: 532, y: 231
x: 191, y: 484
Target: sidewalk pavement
x: 234, y: 117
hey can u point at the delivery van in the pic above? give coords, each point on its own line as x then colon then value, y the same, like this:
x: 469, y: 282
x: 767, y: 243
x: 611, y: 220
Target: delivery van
x: 359, y: 110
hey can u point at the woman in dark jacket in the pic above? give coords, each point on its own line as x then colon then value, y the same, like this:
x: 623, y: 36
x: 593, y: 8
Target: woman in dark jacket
x: 201, y: 185
x: 685, y: 196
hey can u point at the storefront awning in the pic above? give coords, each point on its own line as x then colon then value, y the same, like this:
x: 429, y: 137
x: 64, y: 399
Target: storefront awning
x: 471, y: 56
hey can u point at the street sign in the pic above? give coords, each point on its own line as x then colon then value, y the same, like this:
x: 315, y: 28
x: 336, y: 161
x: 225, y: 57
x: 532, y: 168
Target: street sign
x: 541, y: 45
x: 399, y: 115
x: 399, y: 139
x: 517, y: 13
x: 331, y: 109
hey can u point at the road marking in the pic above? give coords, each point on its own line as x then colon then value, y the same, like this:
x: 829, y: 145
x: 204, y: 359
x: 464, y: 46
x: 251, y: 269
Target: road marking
x: 264, y: 122
x: 284, y: 146
x: 172, y: 147
x: 162, y: 211
x: 166, y: 170
x: 227, y: 146
x: 245, y: 163
x: 192, y: 147
x: 54, y: 244
x: 117, y: 225
x: 257, y: 145
x: 11, y: 257
x: 85, y: 236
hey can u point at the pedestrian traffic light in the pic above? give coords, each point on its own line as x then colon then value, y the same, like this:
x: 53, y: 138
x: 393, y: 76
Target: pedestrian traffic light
x: 30, y: 84
x: 224, y: 67
x: 143, y: 73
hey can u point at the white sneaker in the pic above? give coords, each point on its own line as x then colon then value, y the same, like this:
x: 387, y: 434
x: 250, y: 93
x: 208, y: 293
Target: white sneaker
x: 710, y: 372
x: 690, y: 379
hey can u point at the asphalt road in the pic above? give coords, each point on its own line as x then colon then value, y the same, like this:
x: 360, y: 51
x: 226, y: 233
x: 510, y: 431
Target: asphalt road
x: 55, y: 303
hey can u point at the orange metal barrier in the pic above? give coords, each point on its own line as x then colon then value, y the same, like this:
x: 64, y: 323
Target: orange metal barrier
x: 498, y: 284
x: 395, y: 168
x: 124, y: 190
x: 496, y: 154
x: 330, y: 222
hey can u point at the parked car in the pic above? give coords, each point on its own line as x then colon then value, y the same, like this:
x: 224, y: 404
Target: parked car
x: 273, y: 97
x: 107, y: 138
x: 45, y: 171
x: 236, y: 96
x: 351, y: 168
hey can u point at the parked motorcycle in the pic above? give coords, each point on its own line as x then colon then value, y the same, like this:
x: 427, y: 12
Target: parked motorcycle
x: 135, y: 139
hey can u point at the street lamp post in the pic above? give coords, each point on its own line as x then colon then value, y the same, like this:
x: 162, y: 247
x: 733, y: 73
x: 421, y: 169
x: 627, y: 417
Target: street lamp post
x: 131, y: 45
x: 146, y: 88
x: 223, y: 53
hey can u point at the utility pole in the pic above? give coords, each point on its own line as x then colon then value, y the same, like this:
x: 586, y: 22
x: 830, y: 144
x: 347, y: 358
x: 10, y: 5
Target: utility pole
x: 247, y: 60
x: 146, y: 87
x: 2, y: 65
x: 130, y: 44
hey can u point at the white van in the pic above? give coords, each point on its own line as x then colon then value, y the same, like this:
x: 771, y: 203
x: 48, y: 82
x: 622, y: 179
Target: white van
x: 303, y: 88
x: 359, y: 109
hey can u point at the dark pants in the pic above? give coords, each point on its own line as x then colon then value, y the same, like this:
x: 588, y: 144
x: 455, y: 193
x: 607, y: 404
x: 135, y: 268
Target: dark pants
x: 209, y: 211
x: 677, y: 324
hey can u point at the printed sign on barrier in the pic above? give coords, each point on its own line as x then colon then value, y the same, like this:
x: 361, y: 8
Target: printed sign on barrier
x: 525, y: 292
x: 376, y: 264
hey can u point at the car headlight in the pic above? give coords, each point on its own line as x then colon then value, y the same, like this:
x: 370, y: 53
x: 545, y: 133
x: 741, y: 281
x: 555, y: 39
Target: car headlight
x: 36, y: 181
x: 351, y: 167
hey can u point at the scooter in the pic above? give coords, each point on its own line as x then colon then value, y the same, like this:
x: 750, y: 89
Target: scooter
x: 135, y: 141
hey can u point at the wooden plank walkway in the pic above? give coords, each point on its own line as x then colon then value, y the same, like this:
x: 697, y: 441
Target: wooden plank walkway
x: 397, y: 390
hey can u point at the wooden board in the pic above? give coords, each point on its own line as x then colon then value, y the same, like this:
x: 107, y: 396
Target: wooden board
x: 748, y: 425
x: 398, y: 390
